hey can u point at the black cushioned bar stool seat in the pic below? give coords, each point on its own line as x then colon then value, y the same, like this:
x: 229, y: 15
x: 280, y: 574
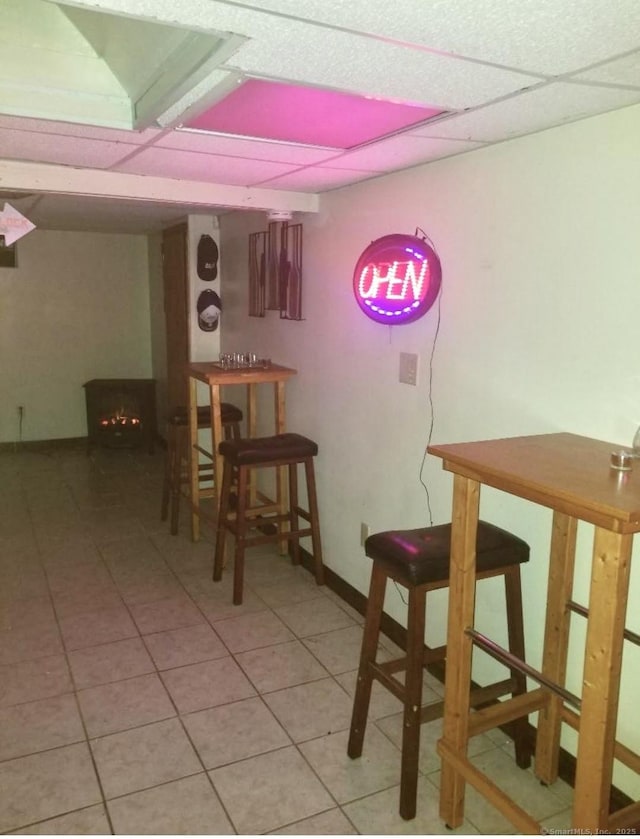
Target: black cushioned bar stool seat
x: 176, y: 473
x: 416, y: 557
x: 264, y: 450
x: 247, y: 517
x: 419, y: 560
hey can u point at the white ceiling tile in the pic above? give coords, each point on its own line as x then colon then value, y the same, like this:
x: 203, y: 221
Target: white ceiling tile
x: 317, y: 179
x: 27, y: 145
x: 242, y: 147
x: 532, y: 111
x: 622, y: 71
x: 400, y: 152
x: 381, y: 69
x: 550, y: 37
x: 210, y: 168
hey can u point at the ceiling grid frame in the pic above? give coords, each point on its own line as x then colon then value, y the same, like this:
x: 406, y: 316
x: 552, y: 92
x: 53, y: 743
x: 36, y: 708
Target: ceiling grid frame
x: 498, y: 76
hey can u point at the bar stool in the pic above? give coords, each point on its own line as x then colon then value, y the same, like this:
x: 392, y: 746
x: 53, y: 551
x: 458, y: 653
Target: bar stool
x: 245, y: 516
x: 419, y: 561
x: 175, y: 472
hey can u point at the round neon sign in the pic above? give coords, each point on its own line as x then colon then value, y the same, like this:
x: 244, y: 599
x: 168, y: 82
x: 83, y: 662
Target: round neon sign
x: 397, y: 279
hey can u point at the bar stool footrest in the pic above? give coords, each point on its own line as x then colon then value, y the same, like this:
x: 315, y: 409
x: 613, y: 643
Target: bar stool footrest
x: 505, y: 657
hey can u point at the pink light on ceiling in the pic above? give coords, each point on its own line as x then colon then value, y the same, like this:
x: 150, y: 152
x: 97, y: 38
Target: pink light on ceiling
x: 307, y: 115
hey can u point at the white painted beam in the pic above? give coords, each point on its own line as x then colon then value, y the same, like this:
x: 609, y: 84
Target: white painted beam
x: 65, y: 180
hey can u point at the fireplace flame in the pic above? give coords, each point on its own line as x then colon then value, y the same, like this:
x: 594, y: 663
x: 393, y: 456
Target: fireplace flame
x: 119, y: 419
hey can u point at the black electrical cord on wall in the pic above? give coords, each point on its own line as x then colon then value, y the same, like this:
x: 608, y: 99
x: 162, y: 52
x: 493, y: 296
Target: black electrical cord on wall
x: 431, y: 409
x: 421, y: 234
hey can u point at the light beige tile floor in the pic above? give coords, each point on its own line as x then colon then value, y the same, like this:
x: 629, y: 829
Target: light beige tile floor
x: 136, y: 699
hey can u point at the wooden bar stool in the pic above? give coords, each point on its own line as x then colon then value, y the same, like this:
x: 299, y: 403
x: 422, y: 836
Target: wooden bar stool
x: 245, y: 517
x: 419, y: 561
x: 176, y: 473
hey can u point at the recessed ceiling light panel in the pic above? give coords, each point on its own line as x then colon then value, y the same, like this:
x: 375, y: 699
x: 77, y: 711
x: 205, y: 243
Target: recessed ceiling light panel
x: 307, y: 115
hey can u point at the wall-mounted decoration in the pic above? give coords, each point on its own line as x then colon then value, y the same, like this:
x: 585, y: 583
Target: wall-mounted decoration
x: 397, y: 279
x: 13, y: 225
x: 209, y: 308
x: 290, y: 273
x: 207, y: 258
x: 275, y: 270
x: 257, y: 273
x: 273, y: 264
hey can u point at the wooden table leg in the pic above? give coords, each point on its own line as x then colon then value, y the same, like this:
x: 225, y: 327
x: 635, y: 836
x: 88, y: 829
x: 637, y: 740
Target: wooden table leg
x: 281, y: 472
x: 601, y: 679
x: 194, y: 474
x: 556, y: 643
x: 462, y: 587
x: 216, y: 437
x: 279, y: 407
x: 279, y: 414
x: 252, y: 429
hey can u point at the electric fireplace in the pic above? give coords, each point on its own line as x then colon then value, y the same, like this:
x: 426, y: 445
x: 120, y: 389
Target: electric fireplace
x: 121, y: 413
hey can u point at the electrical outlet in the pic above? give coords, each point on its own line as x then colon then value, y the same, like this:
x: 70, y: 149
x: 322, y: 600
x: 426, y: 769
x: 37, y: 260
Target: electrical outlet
x: 364, y: 532
x: 408, y: 368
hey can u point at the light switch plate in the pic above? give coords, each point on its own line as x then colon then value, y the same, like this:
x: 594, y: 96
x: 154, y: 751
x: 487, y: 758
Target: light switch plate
x: 408, y: 368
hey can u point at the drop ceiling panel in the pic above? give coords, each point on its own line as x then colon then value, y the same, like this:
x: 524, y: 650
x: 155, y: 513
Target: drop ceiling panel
x: 209, y: 168
x: 319, y: 179
x: 487, y: 30
x: 292, y: 50
x: 533, y: 111
x: 27, y: 145
x: 623, y: 71
x: 401, y: 152
x: 242, y: 147
x: 361, y: 65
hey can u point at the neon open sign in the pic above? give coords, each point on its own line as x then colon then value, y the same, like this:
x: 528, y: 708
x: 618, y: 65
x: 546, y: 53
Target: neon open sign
x: 397, y: 279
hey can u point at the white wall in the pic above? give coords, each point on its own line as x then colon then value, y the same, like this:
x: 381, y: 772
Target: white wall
x: 539, y: 311
x: 75, y: 309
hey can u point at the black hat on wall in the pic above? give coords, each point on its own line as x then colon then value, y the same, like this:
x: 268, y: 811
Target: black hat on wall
x: 209, y: 308
x: 207, y: 258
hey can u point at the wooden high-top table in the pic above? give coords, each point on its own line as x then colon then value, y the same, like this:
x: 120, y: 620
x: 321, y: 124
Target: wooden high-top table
x: 572, y: 476
x: 215, y: 376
